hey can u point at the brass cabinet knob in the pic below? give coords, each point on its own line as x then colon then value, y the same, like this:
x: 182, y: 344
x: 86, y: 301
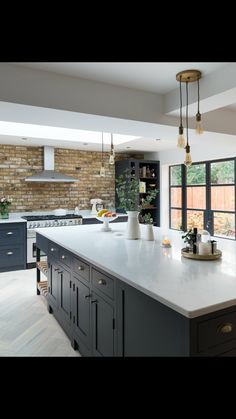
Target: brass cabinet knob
x: 63, y: 257
x: 226, y: 328
x: 9, y: 233
x: 81, y: 268
x: 102, y: 282
x: 52, y: 249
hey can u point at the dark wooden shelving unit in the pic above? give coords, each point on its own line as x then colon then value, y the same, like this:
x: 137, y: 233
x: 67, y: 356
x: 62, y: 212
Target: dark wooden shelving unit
x: 137, y: 169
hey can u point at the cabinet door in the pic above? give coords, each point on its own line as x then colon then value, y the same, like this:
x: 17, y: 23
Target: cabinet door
x: 81, y: 311
x: 103, y: 327
x: 64, y: 294
x: 53, y: 282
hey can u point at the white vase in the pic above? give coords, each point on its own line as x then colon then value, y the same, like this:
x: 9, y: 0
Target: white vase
x: 149, y: 235
x: 133, y: 228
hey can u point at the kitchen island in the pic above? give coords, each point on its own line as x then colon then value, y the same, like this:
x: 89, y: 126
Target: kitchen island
x: 119, y: 297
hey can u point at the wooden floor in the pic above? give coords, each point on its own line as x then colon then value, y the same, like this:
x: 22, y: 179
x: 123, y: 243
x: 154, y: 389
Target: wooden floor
x: 26, y: 327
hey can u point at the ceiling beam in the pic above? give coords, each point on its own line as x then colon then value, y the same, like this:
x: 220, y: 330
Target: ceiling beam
x: 217, y: 90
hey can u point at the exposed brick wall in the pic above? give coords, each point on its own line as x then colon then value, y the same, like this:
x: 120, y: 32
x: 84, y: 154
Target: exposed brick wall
x: 16, y: 163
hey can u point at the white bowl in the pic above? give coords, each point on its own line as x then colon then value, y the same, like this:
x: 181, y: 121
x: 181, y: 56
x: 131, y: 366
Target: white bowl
x: 106, y: 221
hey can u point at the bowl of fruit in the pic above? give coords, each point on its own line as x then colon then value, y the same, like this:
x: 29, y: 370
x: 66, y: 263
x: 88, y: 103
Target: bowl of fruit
x: 106, y: 217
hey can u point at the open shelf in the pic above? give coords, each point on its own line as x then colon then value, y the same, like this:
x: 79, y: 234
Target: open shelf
x: 43, y: 267
x: 43, y: 287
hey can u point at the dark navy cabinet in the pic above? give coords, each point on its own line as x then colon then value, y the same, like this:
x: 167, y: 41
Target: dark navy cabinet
x: 12, y: 246
x: 102, y: 326
x: 81, y: 300
x: 103, y: 316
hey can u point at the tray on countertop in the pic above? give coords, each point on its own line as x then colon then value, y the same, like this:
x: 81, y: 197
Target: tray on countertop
x: 190, y: 255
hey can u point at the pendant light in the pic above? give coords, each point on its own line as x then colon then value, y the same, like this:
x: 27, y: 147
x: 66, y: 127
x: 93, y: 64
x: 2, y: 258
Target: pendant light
x: 112, y: 155
x: 188, y: 158
x: 199, y: 129
x: 102, y: 169
x: 181, y: 139
x: 188, y: 76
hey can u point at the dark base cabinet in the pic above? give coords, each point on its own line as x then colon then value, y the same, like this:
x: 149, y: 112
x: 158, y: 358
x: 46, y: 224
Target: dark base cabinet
x: 12, y: 246
x: 104, y: 316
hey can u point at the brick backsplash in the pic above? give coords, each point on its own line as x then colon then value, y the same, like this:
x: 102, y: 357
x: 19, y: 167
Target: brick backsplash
x: 16, y: 163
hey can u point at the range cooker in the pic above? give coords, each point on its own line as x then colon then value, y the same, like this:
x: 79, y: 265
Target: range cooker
x: 40, y: 221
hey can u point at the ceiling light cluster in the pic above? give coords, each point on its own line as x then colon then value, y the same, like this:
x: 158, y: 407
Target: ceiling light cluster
x: 188, y: 76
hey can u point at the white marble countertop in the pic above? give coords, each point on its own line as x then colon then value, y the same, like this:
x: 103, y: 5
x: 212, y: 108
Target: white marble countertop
x: 12, y: 219
x: 190, y: 287
x: 15, y: 217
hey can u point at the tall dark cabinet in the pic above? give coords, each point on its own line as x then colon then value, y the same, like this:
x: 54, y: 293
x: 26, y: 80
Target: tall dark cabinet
x: 148, y: 174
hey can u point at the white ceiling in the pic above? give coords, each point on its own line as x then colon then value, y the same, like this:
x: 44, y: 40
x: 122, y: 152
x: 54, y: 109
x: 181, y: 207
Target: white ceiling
x: 153, y: 77
x: 159, y: 78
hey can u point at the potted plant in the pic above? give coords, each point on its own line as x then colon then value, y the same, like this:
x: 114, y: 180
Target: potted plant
x: 189, y: 238
x: 148, y: 221
x: 4, y: 207
x: 127, y: 189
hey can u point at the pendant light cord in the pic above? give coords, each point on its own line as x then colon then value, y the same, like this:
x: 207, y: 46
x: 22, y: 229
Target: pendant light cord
x: 187, y: 110
x: 102, y: 148
x: 112, y: 143
x: 198, y: 96
x: 180, y: 87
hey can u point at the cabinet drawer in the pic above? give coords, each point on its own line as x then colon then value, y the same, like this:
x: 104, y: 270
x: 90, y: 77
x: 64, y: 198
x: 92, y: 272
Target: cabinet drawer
x: 11, y: 256
x: 216, y: 331
x: 53, y: 250
x: 103, y: 282
x: 65, y: 258
x: 81, y: 268
x: 11, y: 233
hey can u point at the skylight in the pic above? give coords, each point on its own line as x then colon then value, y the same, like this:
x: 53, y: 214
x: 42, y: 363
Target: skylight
x: 58, y: 133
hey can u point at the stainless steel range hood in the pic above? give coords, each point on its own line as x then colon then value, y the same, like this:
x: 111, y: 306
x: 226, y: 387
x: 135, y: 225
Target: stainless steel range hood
x: 49, y: 174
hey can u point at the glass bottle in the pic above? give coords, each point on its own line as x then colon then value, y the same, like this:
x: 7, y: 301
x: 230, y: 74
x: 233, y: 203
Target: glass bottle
x: 148, y: 171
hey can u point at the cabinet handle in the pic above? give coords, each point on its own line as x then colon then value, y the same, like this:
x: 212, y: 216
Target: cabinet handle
x: 52, y: 249
x: 226, y: 328
x: 94, y: 301
x: 102, y: 282
x: 80, y: 268
x: 63, y: 257
x: 9, y: 253
x: 60, y: 272
x: 9, y: 233
x: 56, y: 269
x: 87, y: 296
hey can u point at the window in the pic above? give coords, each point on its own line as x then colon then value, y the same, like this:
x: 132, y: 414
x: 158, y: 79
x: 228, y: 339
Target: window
x: 176, y: 197
x: 203, y: 196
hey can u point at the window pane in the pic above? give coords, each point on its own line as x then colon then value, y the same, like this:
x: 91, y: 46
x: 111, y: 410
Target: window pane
x: 222, y: 198
x: 176, y: 219
x: 224, y: 225
x: 175, y: 175
x: 196, y: 197
x: 176, y: 197
x: 222, y: 172
x: 195, y: 219
x: 196, y: 174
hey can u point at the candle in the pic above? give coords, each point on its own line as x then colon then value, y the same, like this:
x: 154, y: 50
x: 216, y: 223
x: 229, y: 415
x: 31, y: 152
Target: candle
x: 204, y: 248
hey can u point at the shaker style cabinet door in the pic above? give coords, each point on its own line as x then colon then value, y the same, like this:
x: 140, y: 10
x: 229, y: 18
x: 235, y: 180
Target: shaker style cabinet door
x: 102, y: 326
x: 64, y: 303
x: 53, y: 282
x: 81, y: 311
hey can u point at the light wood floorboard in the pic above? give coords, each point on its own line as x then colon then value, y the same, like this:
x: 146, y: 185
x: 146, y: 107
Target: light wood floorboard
x: 26, y: 327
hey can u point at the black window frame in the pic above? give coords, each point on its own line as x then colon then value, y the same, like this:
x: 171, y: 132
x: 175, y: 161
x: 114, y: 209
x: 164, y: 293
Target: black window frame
x: 208, y: 212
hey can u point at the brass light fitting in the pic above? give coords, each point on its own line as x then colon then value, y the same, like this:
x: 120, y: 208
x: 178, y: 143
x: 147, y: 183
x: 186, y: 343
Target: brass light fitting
x: 188, y: 76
